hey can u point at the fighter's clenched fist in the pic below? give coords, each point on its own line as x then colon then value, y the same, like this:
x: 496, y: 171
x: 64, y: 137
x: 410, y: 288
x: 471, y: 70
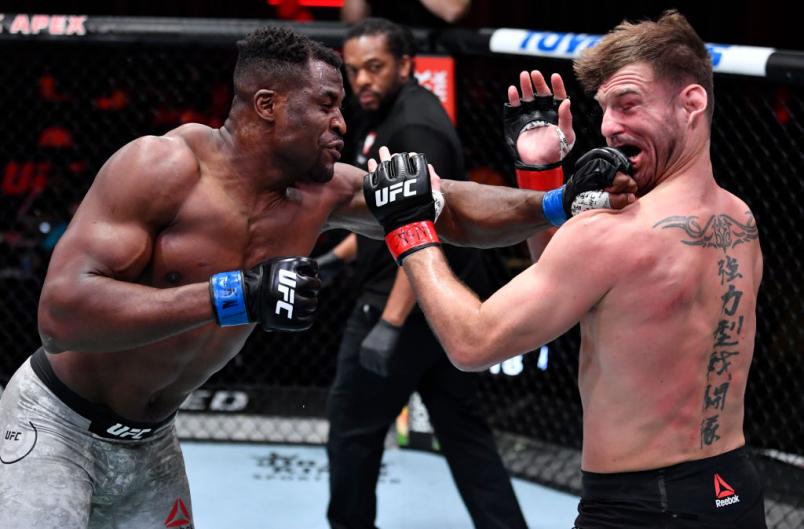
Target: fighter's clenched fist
x: 280, y: 294
x: 594, y: 172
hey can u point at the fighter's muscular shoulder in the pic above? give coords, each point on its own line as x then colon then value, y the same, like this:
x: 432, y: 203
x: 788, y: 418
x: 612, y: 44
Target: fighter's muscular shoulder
x: 601, y: 230
x: 137, y: 192
x: 148, y: 177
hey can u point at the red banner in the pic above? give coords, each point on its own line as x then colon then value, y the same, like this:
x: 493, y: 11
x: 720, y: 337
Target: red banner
x: 437, y: 74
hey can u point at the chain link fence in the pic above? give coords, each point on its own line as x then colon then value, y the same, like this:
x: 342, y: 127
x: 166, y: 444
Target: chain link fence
x: 66, y: 106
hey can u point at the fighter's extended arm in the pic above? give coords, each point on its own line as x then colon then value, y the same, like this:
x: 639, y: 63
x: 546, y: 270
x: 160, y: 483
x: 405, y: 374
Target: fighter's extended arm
x: 474, y: 215
x: 487, y: 216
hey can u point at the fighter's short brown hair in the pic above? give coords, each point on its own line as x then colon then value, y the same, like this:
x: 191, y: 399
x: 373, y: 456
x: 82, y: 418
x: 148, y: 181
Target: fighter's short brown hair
x: 669, y: 45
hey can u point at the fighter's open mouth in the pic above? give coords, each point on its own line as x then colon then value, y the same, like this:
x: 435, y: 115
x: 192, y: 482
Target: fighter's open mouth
x: 630, y: 151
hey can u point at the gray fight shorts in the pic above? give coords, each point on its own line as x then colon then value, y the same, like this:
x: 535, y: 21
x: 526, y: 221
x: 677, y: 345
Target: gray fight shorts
x: 66, y: 463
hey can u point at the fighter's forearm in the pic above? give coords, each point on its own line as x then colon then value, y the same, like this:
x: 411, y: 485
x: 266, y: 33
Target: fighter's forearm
x: 454, y: 312
x: 478, y: 215
x: 102, y: 314
x: 487, y: 216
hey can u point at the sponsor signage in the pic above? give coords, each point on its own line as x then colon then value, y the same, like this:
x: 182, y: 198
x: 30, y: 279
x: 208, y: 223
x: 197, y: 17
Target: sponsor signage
x: 60, y: 25
x: 726, y: 58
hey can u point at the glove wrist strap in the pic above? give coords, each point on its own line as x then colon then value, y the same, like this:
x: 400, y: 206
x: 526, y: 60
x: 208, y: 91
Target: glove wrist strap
x: 410, y: 238
x: 540, y: 178
x: 553, y: 206
x: 227, y: 292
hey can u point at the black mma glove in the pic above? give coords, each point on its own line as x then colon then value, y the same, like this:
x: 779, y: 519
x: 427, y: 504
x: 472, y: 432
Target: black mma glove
x: 280, y: 294
x: 378, y: 347
x: 594, y: 171
x: 399, y: 196
x: 542, y: 111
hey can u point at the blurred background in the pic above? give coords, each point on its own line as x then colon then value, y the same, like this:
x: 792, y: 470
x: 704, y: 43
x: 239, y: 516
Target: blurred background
x: 753, y: 22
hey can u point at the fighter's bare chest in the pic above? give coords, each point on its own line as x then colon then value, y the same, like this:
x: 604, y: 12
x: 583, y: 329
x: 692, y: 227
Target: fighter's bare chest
x: 211, y: 238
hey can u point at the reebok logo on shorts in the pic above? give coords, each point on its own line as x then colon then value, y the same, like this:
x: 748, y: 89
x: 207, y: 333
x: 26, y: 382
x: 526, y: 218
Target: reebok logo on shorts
x: 724, y: 493
x: 179, y: 518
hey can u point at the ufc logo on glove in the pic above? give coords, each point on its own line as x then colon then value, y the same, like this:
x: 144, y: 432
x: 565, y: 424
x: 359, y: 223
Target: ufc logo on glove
x: 382, y: 195
x: 287, y: 286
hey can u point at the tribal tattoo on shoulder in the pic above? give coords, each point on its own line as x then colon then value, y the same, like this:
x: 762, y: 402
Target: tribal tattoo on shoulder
x: 720, y: 231
x: 724, y: 233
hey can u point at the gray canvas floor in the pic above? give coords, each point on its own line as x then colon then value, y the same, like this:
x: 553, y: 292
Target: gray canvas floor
x: 251, y: 486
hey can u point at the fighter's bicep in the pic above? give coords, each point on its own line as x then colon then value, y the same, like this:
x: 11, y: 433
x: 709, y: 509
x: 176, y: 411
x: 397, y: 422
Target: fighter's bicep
x: 528, y: 312
x: 120, y: 250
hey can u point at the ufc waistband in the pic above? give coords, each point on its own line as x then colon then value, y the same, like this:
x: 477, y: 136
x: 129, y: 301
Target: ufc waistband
x: 103, y: 421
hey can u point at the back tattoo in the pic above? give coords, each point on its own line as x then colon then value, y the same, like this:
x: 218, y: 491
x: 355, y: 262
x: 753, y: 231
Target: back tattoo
x: 724, y: 233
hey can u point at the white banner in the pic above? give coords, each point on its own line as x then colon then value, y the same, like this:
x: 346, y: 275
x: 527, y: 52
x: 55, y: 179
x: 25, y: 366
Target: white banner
x: 726, y: 58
